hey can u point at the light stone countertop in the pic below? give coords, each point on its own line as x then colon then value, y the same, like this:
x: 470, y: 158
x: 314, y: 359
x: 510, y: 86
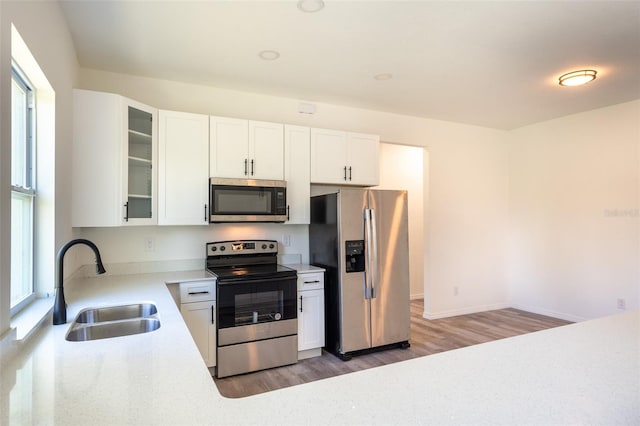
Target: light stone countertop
x: 304, y: 268
x: 585, y: 373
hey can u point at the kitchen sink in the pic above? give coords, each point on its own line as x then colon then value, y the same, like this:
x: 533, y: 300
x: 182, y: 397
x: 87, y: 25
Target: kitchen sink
x: 105, y: 330
x: 113, y: 321
x: 115, y: 313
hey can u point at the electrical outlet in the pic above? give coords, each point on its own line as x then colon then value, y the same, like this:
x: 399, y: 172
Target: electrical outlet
x: 622, y: 304
x: 149, y: 244
x: 286, y: 240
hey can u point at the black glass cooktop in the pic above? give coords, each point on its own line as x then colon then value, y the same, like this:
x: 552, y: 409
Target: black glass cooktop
x: 251, y: 272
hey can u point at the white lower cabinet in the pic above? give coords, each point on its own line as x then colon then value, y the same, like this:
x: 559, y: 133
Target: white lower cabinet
x: 200, y: 316
x: 310, y: 314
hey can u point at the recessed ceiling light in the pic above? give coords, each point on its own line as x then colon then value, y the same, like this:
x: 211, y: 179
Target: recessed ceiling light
x: 577, y: 78
x: 310, y: 6
x: 269, y: 55
x: 383, y: 76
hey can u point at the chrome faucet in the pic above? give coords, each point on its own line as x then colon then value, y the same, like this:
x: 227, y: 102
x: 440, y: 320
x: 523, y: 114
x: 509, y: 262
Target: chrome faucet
x: 60, y: 305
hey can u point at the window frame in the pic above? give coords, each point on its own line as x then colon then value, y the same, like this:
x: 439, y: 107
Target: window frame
x: 30, y: 181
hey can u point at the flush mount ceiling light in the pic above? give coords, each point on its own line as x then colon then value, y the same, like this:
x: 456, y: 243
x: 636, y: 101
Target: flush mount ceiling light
x: 269, y: 55
x: 383, y: 76
x: 577, y: 78
x: 310, y: 6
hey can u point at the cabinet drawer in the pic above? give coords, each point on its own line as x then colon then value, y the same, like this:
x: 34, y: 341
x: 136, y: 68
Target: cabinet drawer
x: 310, y: 281
x: 197, y: 291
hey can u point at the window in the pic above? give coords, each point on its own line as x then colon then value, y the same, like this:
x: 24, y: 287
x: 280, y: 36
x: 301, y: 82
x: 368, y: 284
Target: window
x: 23, y: 189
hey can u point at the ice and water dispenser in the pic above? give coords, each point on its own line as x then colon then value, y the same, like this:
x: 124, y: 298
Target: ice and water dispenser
x: 354, y: 252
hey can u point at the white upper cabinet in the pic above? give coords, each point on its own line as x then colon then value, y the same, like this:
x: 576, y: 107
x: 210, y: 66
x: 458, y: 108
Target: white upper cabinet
x: 344, y: 158
x: 246, y: 149
x: 114, y: 161
x: 266, y: 150
x: 297, y: 147
x: 228, y: 147
x: 363, y: 158
x: 183, y: 172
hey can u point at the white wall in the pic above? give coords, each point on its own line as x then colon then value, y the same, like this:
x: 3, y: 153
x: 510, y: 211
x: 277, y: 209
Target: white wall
x: 187, y: 243
x: 466, y: 231
x: 467, y: 180
x: 44, y: 30
x: 575, y: 218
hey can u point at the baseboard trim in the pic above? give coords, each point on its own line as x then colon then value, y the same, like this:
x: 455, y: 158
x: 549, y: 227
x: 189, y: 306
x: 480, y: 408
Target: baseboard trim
x: 549, y: 313
x: 463, y: 311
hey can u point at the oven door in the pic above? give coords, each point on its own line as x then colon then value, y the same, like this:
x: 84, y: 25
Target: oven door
x: 248, y: 301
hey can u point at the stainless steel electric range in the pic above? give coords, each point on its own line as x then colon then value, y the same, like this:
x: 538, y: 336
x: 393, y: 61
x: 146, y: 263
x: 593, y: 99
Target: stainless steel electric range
x: 257, y: 322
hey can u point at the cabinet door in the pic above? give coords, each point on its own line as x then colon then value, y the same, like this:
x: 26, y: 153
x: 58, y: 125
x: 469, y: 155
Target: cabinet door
x: 200, y: 318
x: 266, y: 150
x: 297, y: 148
x: 328, y: 156
x: 183, y: 142
x: 97, y: 182
x: 141, y: 146
x: 363, y: 159
x: 310, y: 319
x: 228, y: 147
x: 115, y: 154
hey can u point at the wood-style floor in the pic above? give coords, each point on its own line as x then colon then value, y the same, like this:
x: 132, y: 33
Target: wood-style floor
x: 427, y: 337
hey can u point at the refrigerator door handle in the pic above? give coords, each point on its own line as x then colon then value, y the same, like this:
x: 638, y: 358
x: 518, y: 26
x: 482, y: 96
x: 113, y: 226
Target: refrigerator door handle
x: 367, y: 247
x: 373, y: 264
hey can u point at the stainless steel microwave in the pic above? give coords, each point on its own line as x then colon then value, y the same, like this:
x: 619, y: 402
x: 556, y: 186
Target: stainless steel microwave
x: 247, y: 200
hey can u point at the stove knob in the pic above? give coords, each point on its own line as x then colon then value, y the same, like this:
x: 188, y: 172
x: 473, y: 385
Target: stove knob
x: 214, y: 248
x: 271, y: 246
x: 222, y: 248
x: 264, y: 247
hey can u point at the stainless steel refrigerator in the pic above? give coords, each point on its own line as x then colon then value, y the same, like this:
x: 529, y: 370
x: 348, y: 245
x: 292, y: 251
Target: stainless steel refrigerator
x: 360, y: 237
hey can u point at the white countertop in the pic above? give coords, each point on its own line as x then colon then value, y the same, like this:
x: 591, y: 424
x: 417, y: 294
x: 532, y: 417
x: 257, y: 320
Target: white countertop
x: 585, y: 373
x: 304, y: 268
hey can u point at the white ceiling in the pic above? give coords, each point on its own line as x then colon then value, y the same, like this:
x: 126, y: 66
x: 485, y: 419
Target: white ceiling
x: 492, y: 64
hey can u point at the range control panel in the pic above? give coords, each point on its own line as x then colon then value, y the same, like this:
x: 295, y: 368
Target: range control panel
x: 242, y: 247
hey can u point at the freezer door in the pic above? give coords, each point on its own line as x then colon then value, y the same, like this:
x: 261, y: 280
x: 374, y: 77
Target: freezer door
x: 355, y: 312
x: 390, y: 316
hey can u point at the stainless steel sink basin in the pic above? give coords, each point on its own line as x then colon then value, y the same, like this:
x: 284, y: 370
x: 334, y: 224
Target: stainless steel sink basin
x: 105, y: 330
x: 113, y: 321
x: 115, y: 313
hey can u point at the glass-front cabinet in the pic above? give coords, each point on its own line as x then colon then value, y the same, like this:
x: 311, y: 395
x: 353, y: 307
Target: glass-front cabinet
x: 140, y: 172
x: 114, y: 161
